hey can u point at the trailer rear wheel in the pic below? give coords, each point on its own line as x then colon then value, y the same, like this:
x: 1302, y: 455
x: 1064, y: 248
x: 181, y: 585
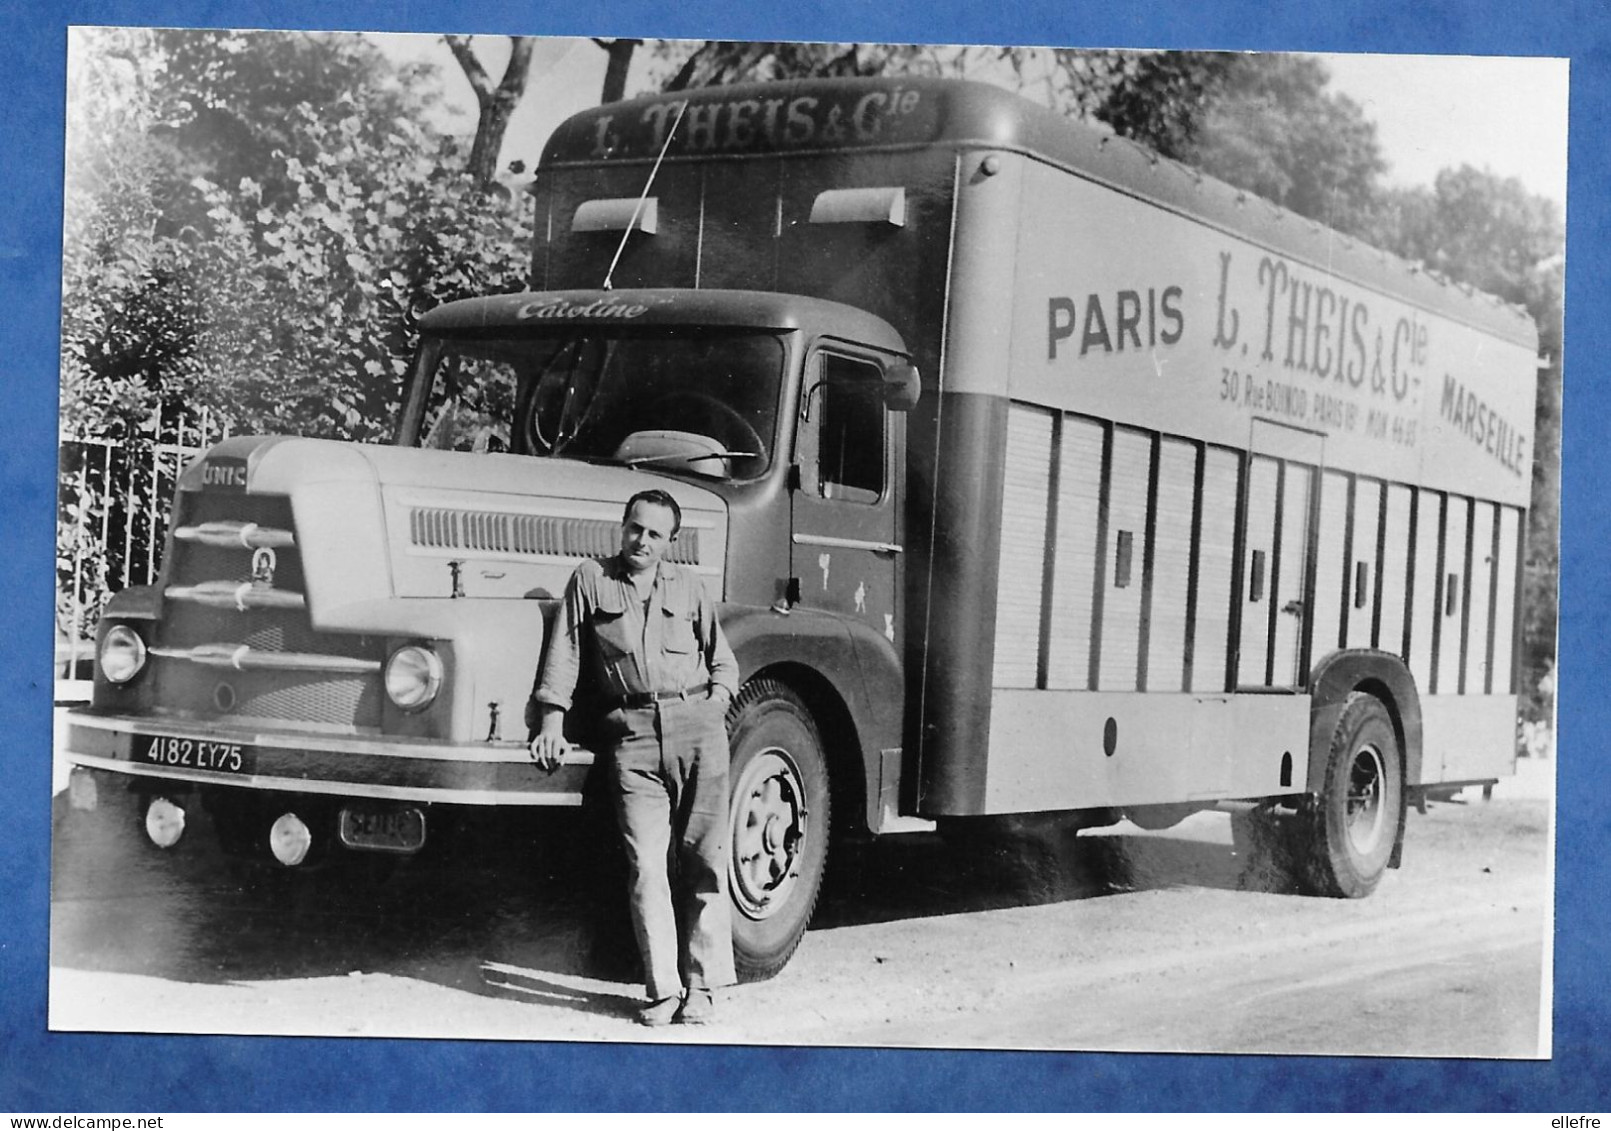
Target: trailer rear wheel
x: 1355, y: 823
x: 778, y: 836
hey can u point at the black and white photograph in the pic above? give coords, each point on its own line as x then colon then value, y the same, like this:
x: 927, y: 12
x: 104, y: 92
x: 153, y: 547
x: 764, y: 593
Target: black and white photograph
x: 807, y: 544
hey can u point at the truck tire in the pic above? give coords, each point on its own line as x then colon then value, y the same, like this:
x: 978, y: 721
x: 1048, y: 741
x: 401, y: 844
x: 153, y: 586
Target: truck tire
x: 1354, y: 824
x: 779, y: 821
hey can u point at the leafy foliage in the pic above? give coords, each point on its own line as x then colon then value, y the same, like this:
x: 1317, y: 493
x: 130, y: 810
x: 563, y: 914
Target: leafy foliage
x: 253, y: 223
x: 258, y: 229
x: 1491, y: 233
x: 690, y: 64
x: 1486, y: 231
x: 1265, y: 123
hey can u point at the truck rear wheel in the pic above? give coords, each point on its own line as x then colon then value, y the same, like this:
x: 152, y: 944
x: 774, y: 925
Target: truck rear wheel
x: 778, y: 836
x: 1352, y: 828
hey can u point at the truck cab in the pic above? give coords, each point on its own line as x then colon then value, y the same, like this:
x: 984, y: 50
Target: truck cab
x: 344, y: 636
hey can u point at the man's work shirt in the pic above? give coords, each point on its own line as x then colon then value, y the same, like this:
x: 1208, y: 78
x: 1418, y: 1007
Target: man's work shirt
x: 672, y: 644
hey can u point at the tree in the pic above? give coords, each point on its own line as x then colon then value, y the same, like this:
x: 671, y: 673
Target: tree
x: 1161, y: 99
x: 1265, y: 123
x: 620, y: 53
x: 1484, y: 230
x: 1489, y: 232
x: 497, y: 102
x: 240, y: 242
x: 252, y: 221
x: 689, y: 64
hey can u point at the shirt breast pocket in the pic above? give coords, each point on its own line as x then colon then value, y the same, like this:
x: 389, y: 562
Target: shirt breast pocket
x: 677, y: 631
x: 610, y: 627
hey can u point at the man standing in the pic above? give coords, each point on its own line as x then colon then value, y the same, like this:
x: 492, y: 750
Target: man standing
x: 646, y: 633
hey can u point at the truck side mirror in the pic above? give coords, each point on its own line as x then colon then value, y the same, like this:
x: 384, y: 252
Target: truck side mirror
x: 902, y: 386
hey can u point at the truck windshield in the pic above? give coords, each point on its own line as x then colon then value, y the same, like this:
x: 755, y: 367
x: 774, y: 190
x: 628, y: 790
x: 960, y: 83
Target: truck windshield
x: 701, y: 401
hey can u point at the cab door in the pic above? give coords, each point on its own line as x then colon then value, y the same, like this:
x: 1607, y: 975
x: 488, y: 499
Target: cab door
x: 843, y: 539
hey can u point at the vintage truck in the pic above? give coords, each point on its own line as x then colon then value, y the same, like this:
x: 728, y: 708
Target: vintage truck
x: 1032, y: 473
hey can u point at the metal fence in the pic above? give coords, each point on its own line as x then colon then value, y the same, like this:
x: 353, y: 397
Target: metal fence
x: 113, y: 500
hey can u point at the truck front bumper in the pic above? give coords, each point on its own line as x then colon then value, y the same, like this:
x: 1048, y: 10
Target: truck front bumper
x: 392, y: 769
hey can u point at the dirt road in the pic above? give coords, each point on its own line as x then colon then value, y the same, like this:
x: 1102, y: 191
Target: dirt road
x: 1116, y: 940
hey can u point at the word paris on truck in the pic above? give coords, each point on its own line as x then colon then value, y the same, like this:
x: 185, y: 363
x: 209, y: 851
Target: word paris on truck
x: 1359, y: 374
x: 1028, y: 474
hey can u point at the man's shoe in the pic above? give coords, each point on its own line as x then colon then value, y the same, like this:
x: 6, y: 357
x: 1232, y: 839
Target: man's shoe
x: 662, y: 1012
x: 698, y: 1008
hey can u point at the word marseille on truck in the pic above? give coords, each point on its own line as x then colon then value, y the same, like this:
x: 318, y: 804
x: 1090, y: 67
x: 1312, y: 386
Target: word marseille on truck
x: 1032, y: 473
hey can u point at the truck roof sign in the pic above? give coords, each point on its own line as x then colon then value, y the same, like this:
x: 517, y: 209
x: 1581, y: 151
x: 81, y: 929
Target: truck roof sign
x: 757, y: 118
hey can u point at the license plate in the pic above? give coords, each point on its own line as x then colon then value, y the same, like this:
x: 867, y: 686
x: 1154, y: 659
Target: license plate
x: 383, y: 830
x: 194, y: 753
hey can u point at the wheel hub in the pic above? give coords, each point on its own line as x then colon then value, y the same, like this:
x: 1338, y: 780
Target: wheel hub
x: 769, y: 827
x: 1366, y: 814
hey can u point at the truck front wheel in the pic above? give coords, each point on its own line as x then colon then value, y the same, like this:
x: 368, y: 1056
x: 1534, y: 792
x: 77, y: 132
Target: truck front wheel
x: 778, y: 836
x: 1355, y: 822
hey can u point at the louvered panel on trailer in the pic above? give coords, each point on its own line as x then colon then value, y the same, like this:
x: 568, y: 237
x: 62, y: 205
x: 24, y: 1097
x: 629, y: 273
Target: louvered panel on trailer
x: 1362, y: 564
x: 1257, y: 595
x: 1293, y: 558
x: 1425, y: 588
x: 1215, y: 562
x: 1455, y: 579
x: 1171, y: 565
x: 1478, y: 624
x: 1026, y: 480
x: 1331, y: 554
x: 1068, y: 659
x: 1395, y: 567
x: 1505, y: 600
x: 1121, y: 572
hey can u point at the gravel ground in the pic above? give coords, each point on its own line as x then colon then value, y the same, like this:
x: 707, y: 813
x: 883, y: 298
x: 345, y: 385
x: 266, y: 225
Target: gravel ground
x: 1115, y: 939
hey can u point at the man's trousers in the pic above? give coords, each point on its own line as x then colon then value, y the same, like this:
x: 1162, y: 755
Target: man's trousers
x: 670, y: 779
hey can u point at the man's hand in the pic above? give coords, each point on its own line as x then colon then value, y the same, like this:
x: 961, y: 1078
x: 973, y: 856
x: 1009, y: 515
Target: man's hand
x: 549, y: 748
x: 720, y: 696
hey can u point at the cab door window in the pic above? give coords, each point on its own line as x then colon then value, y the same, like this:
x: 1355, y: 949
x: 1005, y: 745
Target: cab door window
x: 850, y: 435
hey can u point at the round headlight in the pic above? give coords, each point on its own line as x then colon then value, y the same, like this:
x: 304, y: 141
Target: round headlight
x: 413, y: 677
x: 122, y: 653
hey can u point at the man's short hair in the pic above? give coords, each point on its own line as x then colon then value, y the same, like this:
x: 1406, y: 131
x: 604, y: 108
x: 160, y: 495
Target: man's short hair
x: 660, y: 499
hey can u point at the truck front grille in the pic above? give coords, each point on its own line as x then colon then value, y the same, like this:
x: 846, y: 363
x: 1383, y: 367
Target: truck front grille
x: 194, y: 626
x: 318, y: 699
x: 498, y: 532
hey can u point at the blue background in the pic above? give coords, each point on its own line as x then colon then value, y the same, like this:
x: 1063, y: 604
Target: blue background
x: 46, y: 1072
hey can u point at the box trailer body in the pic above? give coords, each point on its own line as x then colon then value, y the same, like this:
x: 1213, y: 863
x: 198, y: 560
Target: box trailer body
x: 1189, y: 501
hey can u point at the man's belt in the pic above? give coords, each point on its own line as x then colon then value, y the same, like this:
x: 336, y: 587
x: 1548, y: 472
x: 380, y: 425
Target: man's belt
x: 640, y: 699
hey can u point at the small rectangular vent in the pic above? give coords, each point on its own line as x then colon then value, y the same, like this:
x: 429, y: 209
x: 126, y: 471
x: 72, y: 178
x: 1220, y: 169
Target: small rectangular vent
x: 860, y: 206
x: 623, y: 215
x: 493, y: 532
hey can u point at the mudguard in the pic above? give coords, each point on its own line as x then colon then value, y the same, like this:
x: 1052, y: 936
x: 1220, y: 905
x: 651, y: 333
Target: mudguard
x: 1381, y: 674
x: 857, y: 665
